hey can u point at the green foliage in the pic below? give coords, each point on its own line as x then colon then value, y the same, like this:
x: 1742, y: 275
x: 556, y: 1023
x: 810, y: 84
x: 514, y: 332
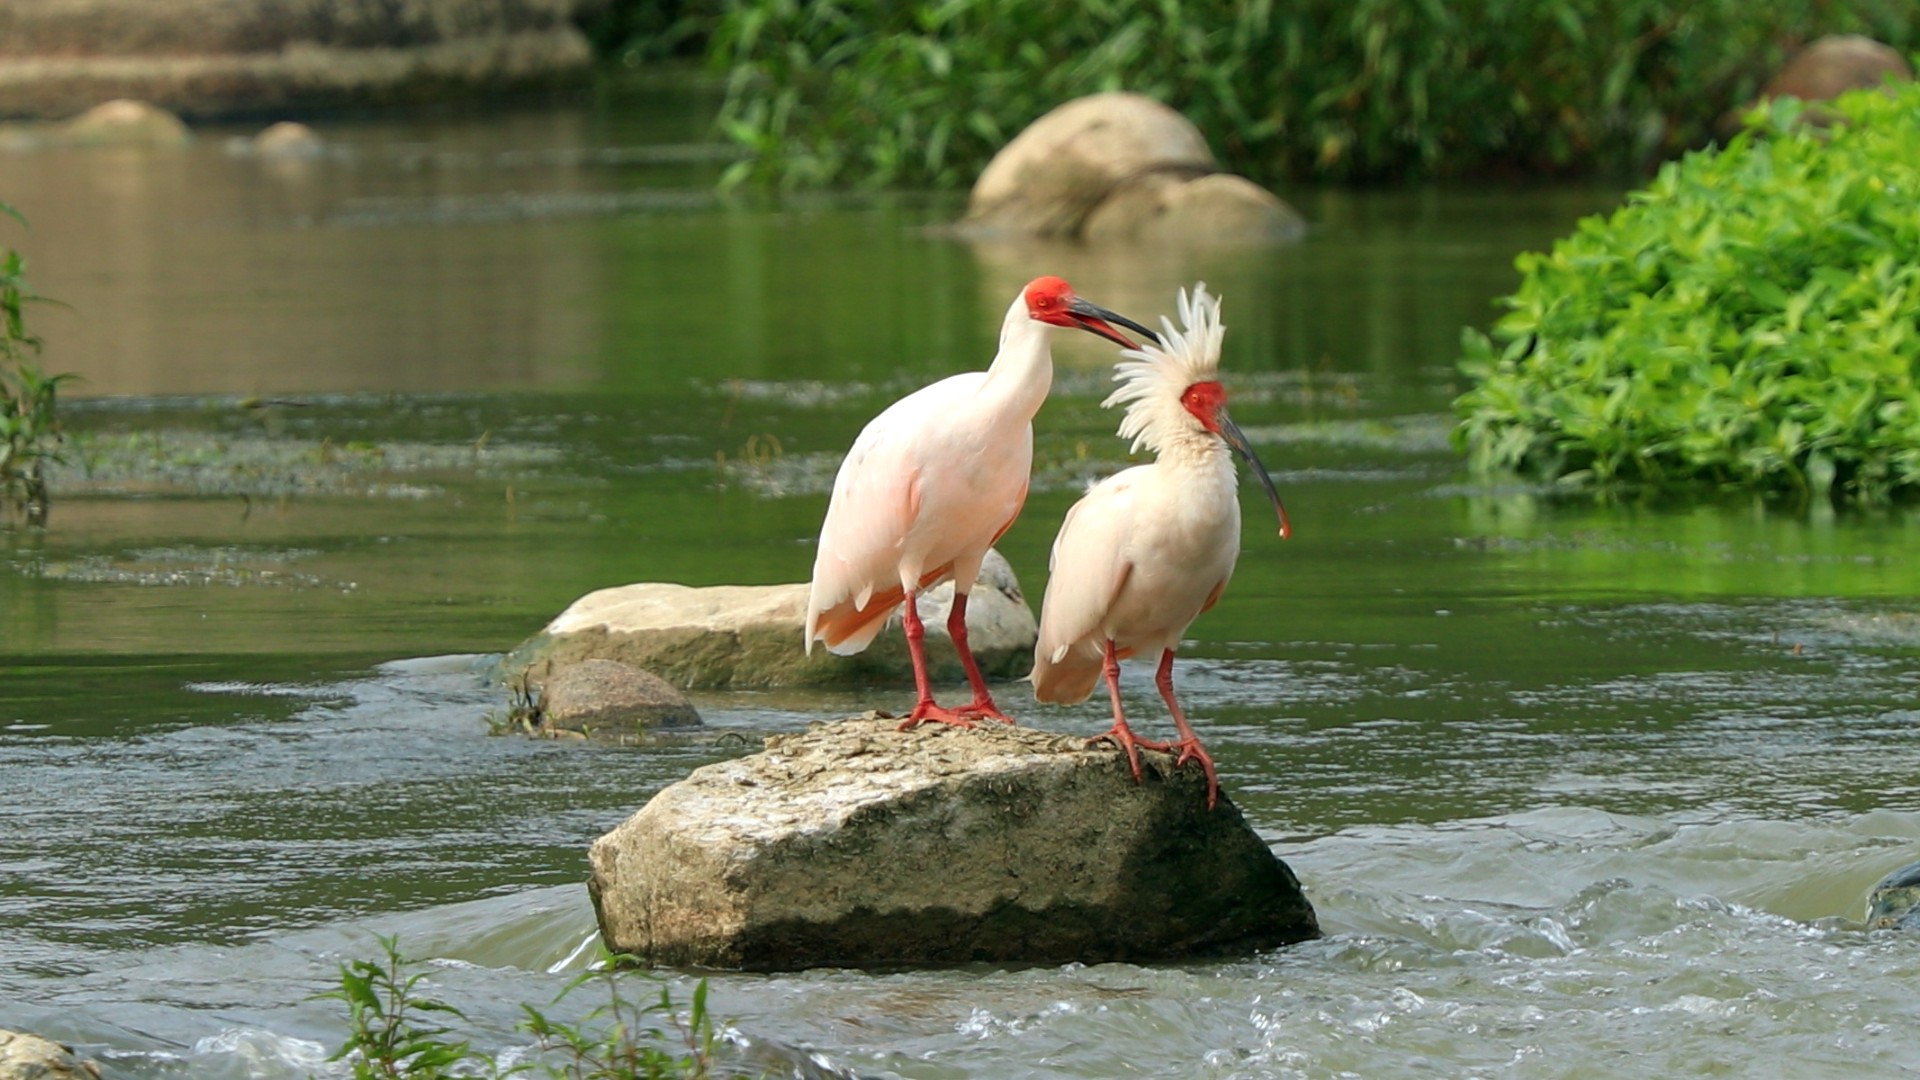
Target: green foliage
x: 29, y: 423
x: 631, y: 1040
x: 1750, y: 319
x: 925, y: 91
x: 393, y: 1030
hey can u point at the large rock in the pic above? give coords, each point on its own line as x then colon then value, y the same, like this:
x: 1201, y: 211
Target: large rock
x: 751, y: 636
x: 853, y: 844
x: 224, y: 56
x: 1835, y: 64
x: 30, y: 1057
x: 1118, y: 166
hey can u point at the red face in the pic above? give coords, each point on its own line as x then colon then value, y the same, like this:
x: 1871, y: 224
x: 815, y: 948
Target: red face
x: 1203, y: 400
x: 1051, y: 301
x: 1047, y: 299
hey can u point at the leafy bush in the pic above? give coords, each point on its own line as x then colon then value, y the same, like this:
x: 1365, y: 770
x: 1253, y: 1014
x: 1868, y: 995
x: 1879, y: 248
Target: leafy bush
x: 925, y: 91
x: 29, y: 424
x: 1752, y: 318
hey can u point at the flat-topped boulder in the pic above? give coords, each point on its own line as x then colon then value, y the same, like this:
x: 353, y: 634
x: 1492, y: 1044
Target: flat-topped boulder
x: 752, y: 636
x: 853, y: 844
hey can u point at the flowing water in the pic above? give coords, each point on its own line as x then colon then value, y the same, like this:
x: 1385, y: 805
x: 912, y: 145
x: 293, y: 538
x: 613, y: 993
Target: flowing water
x: 1578, y: 789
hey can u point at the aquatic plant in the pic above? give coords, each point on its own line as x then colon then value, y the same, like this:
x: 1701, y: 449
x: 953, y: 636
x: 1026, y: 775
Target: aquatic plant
x: 29, y: 421
x: 1751, y: 319
x: 923, y: 92
x: 393, y: 1033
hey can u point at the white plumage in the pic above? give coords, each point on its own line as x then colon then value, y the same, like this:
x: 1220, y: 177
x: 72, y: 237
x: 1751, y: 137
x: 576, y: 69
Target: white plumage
x: 1145, y: 551
x: 931, y: 483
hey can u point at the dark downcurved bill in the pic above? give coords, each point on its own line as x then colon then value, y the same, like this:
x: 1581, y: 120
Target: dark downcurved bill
x: 1089, y: 316
x: 1239, y: 442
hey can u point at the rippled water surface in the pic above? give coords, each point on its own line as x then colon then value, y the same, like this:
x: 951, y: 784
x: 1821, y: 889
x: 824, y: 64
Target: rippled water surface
x: 1578, y: 789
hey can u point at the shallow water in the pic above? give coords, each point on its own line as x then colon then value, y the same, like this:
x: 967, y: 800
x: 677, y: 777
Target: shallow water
x: 1578, y: 789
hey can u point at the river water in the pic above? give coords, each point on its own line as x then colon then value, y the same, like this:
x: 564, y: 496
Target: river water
x: 1578, y: 788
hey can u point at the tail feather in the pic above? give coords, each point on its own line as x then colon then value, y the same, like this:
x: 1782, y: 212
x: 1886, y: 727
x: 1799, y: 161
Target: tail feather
x: 849, y: 627
x: 1071, y: 678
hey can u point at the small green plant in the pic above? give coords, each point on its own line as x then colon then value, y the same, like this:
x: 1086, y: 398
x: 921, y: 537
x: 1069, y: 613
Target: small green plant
x: 394, y: 1033
x: 1751, y: 320
x: 29, y: 423
x: 630, y: 1040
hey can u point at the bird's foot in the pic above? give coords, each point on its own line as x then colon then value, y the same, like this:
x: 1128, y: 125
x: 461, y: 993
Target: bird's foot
x: 1191, y: 750
x: 926, y: 712
x: 983, y: 709
x: 1121, y: 736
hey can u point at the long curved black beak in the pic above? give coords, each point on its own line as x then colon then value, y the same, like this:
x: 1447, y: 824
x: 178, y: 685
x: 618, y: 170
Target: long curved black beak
x: 1091, y: 316
x: 1236, y: 439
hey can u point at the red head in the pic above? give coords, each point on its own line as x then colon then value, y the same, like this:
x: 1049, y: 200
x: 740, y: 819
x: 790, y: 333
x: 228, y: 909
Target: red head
x: 1052, y: 301
x: 1207, y: 401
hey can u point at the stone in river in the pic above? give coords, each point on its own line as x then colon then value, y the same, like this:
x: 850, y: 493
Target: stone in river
x: 855, y: 845
x: 753, y: 636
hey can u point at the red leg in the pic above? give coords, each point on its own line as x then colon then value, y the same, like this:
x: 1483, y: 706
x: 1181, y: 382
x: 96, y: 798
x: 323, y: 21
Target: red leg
x: 1120, y: 734
x: 982, y: 706
x: 1188, y: 744
x: 924, y: 708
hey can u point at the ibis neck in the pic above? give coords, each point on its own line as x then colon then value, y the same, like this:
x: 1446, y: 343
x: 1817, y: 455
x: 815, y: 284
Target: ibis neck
x: 1022, y: 372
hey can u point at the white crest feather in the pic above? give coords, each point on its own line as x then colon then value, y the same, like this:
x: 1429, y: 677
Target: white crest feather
x: 1153, y: 377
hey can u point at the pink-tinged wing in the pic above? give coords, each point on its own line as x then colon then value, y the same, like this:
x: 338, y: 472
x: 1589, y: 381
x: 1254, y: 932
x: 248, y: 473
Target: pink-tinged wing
x: 856, y: 569
x: 1088, y: 568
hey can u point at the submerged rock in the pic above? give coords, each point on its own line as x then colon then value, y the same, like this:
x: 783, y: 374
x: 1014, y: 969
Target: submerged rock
x: 609, y: 695
x: 853, y: 844
x: 30, y: 1057
x: 750, y: 636
x: 1894, y: 902
x: 1119, y: 166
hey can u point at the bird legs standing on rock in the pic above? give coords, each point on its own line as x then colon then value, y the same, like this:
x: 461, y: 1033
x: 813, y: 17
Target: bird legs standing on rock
x: 1188, y: 744
x: 1120, y: 734
x: 924, y: 708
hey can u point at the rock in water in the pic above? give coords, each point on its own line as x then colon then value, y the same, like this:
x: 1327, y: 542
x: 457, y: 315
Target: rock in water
x: 609, y: 694
x: 752, y: 636
x: 855, y: 845
x: 1894, y: 902
x: 30, y: 1057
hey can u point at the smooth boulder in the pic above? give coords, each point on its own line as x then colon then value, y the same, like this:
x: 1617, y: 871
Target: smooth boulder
x: 751, y: 636
x: 30, y: 1057
x: 853, y: 844
x: 604, y: 695
x: 1119, y: 167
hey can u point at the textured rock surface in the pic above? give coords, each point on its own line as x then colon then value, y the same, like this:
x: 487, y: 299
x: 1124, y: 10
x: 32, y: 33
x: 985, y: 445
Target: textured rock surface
x: 750, y: 636
x: 853, y: 844
x: 58, y: 57
x: 1119, y: 166
x: 30, y: 1057
x: 607, y: 694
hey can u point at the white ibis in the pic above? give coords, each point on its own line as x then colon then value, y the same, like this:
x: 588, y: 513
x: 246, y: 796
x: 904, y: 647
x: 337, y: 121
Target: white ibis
x: 930, y: 484
x: 1150, y: 548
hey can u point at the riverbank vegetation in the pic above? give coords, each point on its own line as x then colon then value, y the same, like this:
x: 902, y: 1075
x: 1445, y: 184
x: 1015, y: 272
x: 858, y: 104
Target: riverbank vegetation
x: 29, y: 421
x: 923, y: 92
x: 1751, y: 319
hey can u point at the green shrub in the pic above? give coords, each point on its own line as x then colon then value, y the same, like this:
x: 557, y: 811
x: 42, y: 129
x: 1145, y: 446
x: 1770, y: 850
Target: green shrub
x: 1751, y: 319
x: 923, y: 92
x: 29, y: 423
